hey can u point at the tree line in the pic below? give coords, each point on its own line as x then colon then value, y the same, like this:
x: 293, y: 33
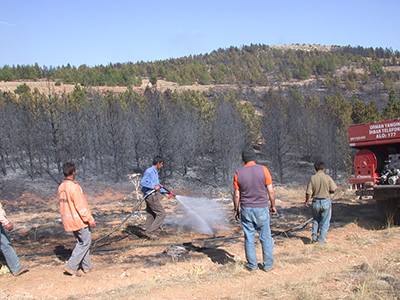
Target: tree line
x: 116, y: 134
x: 258, y: 65
x: 199, y: 134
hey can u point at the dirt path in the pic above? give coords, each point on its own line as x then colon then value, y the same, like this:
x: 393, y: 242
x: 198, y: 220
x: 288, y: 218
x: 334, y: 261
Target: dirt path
x: 360, y: 260
x: 48, y: 87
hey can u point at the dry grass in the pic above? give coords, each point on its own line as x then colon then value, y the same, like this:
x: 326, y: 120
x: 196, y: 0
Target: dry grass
x: 290, y: 193
x: 376, y: 280
x: 288, y: 290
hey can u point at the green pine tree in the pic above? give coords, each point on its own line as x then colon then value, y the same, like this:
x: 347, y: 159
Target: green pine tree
x: 392, y: 108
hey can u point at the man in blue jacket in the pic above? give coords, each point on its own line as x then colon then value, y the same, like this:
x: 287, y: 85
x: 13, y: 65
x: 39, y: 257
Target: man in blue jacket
x: 155, y: 213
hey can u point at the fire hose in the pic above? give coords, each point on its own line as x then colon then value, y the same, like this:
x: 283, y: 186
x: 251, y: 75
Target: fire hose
x: 134, y: 209
x: 171, y: 194
x: 106, y: 235
x: 304, y: 224
x: 299, y: 227
x: 295, y: 228
x: 133, y: 246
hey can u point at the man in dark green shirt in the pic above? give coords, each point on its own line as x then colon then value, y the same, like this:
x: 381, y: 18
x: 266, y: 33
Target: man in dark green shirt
x: 319, y: 189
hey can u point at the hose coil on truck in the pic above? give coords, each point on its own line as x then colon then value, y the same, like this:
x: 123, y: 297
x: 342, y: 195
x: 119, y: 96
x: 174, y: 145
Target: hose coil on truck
x: 377, y: 163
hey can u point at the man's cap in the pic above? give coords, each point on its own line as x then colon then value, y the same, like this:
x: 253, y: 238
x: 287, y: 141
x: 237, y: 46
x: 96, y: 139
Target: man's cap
x: 248, y: 154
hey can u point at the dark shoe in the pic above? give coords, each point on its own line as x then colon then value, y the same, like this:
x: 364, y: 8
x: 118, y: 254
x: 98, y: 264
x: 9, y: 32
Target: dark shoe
x: 267, y: 270
x: 313, y: 241
x: 249, y: 269
x: 22, y: 271
x: 71, y: 272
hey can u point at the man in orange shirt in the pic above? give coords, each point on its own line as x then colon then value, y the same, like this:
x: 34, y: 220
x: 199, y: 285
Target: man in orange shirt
x: 76, y: 217
x: 253, y: 188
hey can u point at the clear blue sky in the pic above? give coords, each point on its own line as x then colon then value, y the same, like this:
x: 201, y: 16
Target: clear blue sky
x: 58, y: 32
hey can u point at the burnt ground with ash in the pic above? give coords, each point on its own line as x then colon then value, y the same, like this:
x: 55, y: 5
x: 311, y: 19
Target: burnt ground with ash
x: 39, y: 231
x: 166, y: 268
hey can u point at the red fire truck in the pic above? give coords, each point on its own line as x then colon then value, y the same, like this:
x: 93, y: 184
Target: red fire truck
x: 377, y: 163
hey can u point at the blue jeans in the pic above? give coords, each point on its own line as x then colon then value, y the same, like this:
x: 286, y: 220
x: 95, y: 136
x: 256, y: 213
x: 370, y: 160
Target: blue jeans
x: 12, y: 260
x: 257, y: 218
x: 322, y: 212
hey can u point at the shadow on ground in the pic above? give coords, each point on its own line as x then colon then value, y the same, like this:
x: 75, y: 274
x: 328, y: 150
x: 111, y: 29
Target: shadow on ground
x: 216, y: 255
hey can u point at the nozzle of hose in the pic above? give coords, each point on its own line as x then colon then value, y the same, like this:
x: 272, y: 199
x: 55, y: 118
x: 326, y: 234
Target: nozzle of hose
x: 170, y: 194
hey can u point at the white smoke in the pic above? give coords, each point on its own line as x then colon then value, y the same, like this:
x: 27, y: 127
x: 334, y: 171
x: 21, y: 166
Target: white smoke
x: 203, y: 214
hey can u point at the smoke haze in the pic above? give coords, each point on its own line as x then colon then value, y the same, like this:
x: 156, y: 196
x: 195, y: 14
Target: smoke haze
x: 203, y: 214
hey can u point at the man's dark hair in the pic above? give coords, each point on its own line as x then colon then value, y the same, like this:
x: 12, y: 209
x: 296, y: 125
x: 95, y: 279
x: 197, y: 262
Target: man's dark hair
x: 69, y: 168
x: 157, y: 159
x: 319, y: 165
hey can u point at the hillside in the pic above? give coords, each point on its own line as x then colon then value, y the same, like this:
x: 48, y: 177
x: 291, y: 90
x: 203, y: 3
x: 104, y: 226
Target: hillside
x: 368, y: 73
x: 373, y: 91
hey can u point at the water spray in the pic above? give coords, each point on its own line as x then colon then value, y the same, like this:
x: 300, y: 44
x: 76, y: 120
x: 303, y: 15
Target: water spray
x: 199, y: 223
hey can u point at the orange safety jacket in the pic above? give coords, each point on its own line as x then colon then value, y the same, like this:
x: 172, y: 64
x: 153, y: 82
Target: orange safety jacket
x: 74, y: 209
